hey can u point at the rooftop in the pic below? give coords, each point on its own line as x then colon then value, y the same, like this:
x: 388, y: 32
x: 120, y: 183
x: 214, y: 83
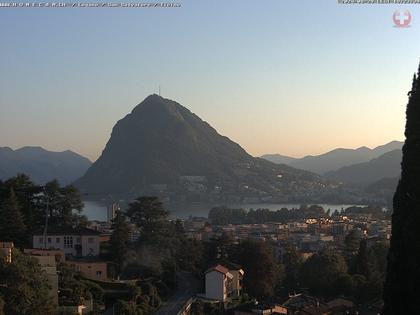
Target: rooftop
x: 67, y: 230
x: 218, y: 268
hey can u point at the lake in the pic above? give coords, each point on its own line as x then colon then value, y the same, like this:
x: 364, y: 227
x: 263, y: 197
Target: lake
x: 97, y: 210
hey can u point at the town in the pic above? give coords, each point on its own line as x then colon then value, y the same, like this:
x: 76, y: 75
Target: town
x: 307, y: 260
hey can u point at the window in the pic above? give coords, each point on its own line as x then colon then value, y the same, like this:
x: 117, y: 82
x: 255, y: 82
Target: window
x: 77, y: 240
x: 57, y: 240
x: 99, y: 273
x: 41, y: 240
x: 49, y: 240
x: 68, y: 241
x: 90, y: 240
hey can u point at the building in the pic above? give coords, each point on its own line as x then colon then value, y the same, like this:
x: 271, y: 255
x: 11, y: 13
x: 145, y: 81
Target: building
x: 57, y: 254
x: 80, y: 242
x: 223, y: 284
x: 6, y: 249
x: 263, y: 309
x: 218, y: 283
x: 112, y: 211
x: 238, y: 274
x: 90, y: 268
x: 305, y: 304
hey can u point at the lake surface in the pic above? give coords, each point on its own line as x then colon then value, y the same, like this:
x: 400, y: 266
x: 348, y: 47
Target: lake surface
x: 97, y: 210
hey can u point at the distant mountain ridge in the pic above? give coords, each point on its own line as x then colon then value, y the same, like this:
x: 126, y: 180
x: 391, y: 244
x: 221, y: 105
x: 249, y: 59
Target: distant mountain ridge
x: 162, y: 147
x: 335, y: 159
x: 385, y: 166
x: 42, y: 165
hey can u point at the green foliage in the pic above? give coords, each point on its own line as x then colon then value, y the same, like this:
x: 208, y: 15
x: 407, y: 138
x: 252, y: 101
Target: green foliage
x: 65, y: 205
x: 120, y: 238
x: 1, y: 305
x: 200, y: 308
x: 403, y: 276
x: 140, y: 300
x: 97, y: 294
x: 12, y: 226
x: 321, y: 271
x: 26, y: 287
x: 224, y: 215
x: 352, y: 241
x: 362, y: 266
x: 149, y: 215
x: 292, y: 262
x: 26, y: 193
x: 74, y: 289
x: 23, y: 208
x: 262, y: 273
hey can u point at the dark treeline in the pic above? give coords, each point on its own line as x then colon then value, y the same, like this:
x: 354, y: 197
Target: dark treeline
x: 225, y: 215
x: 356, y: 274
x: 24, y: 205
x: 403, y: 276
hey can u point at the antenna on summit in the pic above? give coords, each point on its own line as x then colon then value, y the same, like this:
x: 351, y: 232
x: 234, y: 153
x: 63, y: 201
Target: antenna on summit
x: 159, y: 90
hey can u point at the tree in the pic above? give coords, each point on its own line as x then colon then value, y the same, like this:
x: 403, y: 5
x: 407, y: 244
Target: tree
x: 292, y: 262
x: 12, y: 226
x: 97, y: 294
x: 26, y: 192
x: 1, y: 305
x: 26, y: 289
x: 150, y: 216
x: 403, y: 274
x: 64, y: 204
x: 378, y: 257
x: 321, y: 271
x: 352, y: 241
x: 120, y: 238
x: 361, y: 265
x: 343, y: 284
x: 75, y: 290
x: 261, y: 270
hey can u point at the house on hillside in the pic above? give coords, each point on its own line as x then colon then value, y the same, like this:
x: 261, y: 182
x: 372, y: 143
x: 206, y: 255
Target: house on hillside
x: 80, y: 242
x: 90, y: 268
x: 222, y: 283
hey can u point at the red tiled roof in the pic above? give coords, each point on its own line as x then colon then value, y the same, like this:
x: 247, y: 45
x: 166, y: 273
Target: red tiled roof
x: 218, y: 268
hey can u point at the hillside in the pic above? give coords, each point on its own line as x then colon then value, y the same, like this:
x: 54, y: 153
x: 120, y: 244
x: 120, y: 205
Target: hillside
x: 385, y: 166
x: 162, y: 147
x: 335, y: 159
x: 42, y: 165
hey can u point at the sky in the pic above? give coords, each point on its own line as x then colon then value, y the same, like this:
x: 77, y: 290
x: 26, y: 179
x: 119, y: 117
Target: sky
x: 289, y: 77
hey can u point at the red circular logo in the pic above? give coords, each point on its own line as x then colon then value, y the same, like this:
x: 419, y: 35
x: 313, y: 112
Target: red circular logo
x: 402, y: 18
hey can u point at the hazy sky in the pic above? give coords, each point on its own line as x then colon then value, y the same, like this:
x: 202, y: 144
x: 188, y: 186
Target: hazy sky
x: 290, y: 77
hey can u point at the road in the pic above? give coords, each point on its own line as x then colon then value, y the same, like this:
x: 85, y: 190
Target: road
x: 188, y: 287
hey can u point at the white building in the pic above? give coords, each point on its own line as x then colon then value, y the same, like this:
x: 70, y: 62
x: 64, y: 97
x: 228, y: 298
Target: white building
x: 79, y: 242
x: 112, y: 211
x: 222, y: 283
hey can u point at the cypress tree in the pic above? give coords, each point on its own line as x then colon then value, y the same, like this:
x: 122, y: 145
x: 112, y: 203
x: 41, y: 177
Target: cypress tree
x: 362, y: 261
x: 119, y: 239
x: 403, y: 272
x: 12, y: 226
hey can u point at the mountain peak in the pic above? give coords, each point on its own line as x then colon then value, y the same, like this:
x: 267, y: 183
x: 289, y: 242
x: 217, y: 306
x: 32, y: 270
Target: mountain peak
x: 163, y: 144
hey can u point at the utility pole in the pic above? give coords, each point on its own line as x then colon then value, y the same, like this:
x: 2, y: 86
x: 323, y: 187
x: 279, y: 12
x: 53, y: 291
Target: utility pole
x: 46, y: 217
